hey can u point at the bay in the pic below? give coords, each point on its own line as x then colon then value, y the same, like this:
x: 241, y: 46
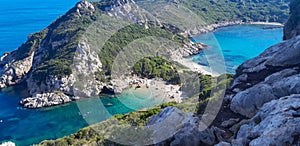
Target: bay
x: 28, y: 126
x: 231, y: 46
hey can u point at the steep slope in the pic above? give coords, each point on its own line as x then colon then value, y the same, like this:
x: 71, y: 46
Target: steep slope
x: 267, y: 91
x: 271, y: 75
x: 53, y: 61
x: 261, y: 106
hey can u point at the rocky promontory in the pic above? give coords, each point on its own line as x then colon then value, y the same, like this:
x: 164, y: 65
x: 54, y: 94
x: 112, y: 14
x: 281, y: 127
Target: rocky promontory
x: 61, y: 67
x: 63, y: 59
x: 261, y: 107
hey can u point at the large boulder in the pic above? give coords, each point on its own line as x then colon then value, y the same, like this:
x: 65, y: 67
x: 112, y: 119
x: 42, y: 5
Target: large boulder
x: 184, y: 128
x: 273, y: 74
x: 276, y: 123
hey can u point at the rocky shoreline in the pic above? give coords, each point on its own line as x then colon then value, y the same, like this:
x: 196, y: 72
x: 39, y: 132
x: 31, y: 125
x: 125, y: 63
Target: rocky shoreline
x: 213, y: 27
x: 63, y: 89
x: 209, y: 28
x: 261, y: 107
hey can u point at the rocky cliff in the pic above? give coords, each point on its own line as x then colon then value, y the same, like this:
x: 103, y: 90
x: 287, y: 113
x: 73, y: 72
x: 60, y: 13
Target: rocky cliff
x: 63, y: 63
x: 44, y: 61
x: 262, y: 105
x: 55, y: 61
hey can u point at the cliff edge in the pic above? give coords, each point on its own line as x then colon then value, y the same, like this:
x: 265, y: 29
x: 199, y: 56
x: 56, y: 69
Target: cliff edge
x: 52, y: 61
x: 261, y: 107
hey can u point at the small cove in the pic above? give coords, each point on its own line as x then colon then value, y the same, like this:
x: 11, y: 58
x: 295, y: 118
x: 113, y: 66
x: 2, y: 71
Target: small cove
x: 236, y: 44
x: 27, y: 126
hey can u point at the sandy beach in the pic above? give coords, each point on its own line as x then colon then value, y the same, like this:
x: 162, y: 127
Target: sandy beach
x: 192, y: 66
x: 200, y: 69
x: 195, y: 67
x: 158, y: 89
x: 266, y: 23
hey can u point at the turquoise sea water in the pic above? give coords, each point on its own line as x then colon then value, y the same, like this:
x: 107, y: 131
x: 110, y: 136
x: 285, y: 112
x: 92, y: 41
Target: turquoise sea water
x: 236, y: 44
x: 29, y: 126
x: 26, y: 126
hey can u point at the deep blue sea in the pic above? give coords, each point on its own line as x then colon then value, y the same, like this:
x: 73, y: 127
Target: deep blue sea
x: 19, y: 18
x: 24, y: 126
x: 234, y: 45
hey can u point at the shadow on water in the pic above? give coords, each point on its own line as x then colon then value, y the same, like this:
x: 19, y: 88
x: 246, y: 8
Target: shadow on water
x: 30, y: 126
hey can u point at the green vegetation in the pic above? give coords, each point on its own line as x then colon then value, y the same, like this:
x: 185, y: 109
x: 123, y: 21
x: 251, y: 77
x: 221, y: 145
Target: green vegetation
x: 128, y: 34
x: 58, y: 59
x: 27, y: 48
x: 54, y: 67
x: 157, y: 67
x: 95, y: 134
x: 67, y: 30
x: 90, y: 135
x: 213, y: 11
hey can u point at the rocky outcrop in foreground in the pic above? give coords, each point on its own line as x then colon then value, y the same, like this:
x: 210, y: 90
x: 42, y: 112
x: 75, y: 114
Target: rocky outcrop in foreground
x: 266, y: 92
x: 262, y: 106
x: 276, y: 123
x: 272, y: 75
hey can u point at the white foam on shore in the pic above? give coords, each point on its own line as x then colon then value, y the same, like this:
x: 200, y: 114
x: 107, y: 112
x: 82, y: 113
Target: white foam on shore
x: 9, y: 143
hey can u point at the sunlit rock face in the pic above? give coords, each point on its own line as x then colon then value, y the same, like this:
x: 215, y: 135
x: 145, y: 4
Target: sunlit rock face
x: 266, y: 93
x: 273, y: 74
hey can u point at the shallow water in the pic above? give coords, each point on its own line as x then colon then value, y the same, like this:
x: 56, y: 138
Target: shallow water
x: 26, y: 126
x: 236, y: 44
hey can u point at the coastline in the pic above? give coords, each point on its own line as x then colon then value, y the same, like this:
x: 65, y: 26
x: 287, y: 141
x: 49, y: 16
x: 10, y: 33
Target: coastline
x: 195, y: 67
x: 212, y: 27
x: 266, y: 23
x: 181, y: 56
x: 160, y: 88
